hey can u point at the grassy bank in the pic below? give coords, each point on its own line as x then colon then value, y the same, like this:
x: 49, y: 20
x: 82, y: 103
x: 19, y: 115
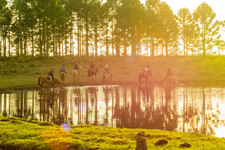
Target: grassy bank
x: 24, y: 72
x: 24, y: 134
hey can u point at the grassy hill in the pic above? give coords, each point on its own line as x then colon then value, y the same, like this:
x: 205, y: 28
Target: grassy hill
x: 24, y: 72
x: 25, y: 134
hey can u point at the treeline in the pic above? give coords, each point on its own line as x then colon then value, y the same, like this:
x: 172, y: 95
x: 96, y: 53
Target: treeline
x: 114, y: 27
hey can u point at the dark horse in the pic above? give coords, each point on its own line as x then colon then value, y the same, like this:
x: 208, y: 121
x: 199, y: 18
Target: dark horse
x: 92, y: 73
x: 45, y: 80
x: 62, y: 75
x: 145, y: 74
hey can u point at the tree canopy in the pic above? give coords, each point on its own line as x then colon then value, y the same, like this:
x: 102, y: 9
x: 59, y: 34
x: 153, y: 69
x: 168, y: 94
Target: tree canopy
x: 115, y: 27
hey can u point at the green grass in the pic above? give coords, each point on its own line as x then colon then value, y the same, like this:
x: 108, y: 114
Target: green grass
x: 25, y: 134
x: 24, y: 72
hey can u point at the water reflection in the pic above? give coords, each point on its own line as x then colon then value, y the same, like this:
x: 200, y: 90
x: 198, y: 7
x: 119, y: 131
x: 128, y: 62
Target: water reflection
x: 183, y: 109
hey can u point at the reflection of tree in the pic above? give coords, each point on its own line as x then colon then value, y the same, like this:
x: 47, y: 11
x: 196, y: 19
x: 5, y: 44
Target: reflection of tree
x: 107, y: 90
x: 91, y: 93
x: 62, y: 106
x: 195, y: 120
x: 4, y: 107
x: 139, y: 107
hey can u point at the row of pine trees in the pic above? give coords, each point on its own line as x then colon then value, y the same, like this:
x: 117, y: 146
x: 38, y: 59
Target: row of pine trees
x: 113, y: 27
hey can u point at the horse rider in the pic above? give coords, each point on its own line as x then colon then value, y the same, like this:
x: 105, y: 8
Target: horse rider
x: 92, y: 66
x: 62, y: 69
x: 168, y: 73
x: 51, y: 75
x: 147, y: 69
x: 106, y: 69
x: 76, y: 67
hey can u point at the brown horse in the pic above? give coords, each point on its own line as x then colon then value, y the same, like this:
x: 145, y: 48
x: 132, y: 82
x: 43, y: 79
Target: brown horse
x: 92, y: 73
x: 145, y: 74
x: 45, y: 80
x: 76, y: 74
x: 107, y: 77
x: 62, y: 75
x: 170, y: 81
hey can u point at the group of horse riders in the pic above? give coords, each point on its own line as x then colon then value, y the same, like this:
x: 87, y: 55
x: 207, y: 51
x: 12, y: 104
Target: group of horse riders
x: 77, y: 68
x: 168, y: 77
x: 146, y: 71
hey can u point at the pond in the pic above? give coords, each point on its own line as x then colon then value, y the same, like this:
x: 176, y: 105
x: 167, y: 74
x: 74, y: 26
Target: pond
x: 183, y: 109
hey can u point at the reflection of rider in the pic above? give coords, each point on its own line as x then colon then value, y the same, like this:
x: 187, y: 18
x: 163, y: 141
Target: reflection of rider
x: 76, y: 67
x: 62, y: 69
x: 51, y: 75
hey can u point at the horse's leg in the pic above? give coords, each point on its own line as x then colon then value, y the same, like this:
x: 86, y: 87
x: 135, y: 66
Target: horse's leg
x: 139, y: 77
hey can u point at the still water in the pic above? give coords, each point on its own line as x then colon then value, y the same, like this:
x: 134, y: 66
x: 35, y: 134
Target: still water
x: 183, y: 109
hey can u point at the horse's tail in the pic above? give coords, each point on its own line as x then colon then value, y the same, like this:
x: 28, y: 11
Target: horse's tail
x: 39, y: 80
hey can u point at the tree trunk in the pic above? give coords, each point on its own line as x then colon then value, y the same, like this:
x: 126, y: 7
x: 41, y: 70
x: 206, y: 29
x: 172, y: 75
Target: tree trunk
x: 32, y: 42
x: 0, y: 46
x: 44, y: 38
x: 9, y: 42
x: 133, y: 42
x: 166, y: 48
x: 65, y: 44
x: 24, y: 42
x: 112, y: 38
x: 59, y: 46
x: 203, y: 28
x: 78, y: 37
x: 47, y: 46
x: 153, y: 47
x: 20, y: 30
x: 96, y: 41
x: 40, y: 44
x: 87, y: 32
x: 53, y: 46
x: 141, y: 143
x: 4, y: 45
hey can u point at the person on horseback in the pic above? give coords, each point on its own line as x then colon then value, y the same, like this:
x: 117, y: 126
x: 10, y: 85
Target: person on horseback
x: 92, y: 66
x: 76, y: 67
x: 168, y: 73
x: 106, y: 69
x: 62, y: 69
x: 51, y: 75
x: 147, y: 69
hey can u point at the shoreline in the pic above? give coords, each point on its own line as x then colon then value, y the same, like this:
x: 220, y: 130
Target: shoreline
x: 157, y: 83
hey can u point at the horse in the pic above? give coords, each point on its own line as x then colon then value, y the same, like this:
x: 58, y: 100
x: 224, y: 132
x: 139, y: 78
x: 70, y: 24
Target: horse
x: 107, y: 76
x: 92, y: 73
x: 144, y: 74
x: 62, y: 75
x: 45, y: 80
x: 76, y: 75
x: 170, y: 81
